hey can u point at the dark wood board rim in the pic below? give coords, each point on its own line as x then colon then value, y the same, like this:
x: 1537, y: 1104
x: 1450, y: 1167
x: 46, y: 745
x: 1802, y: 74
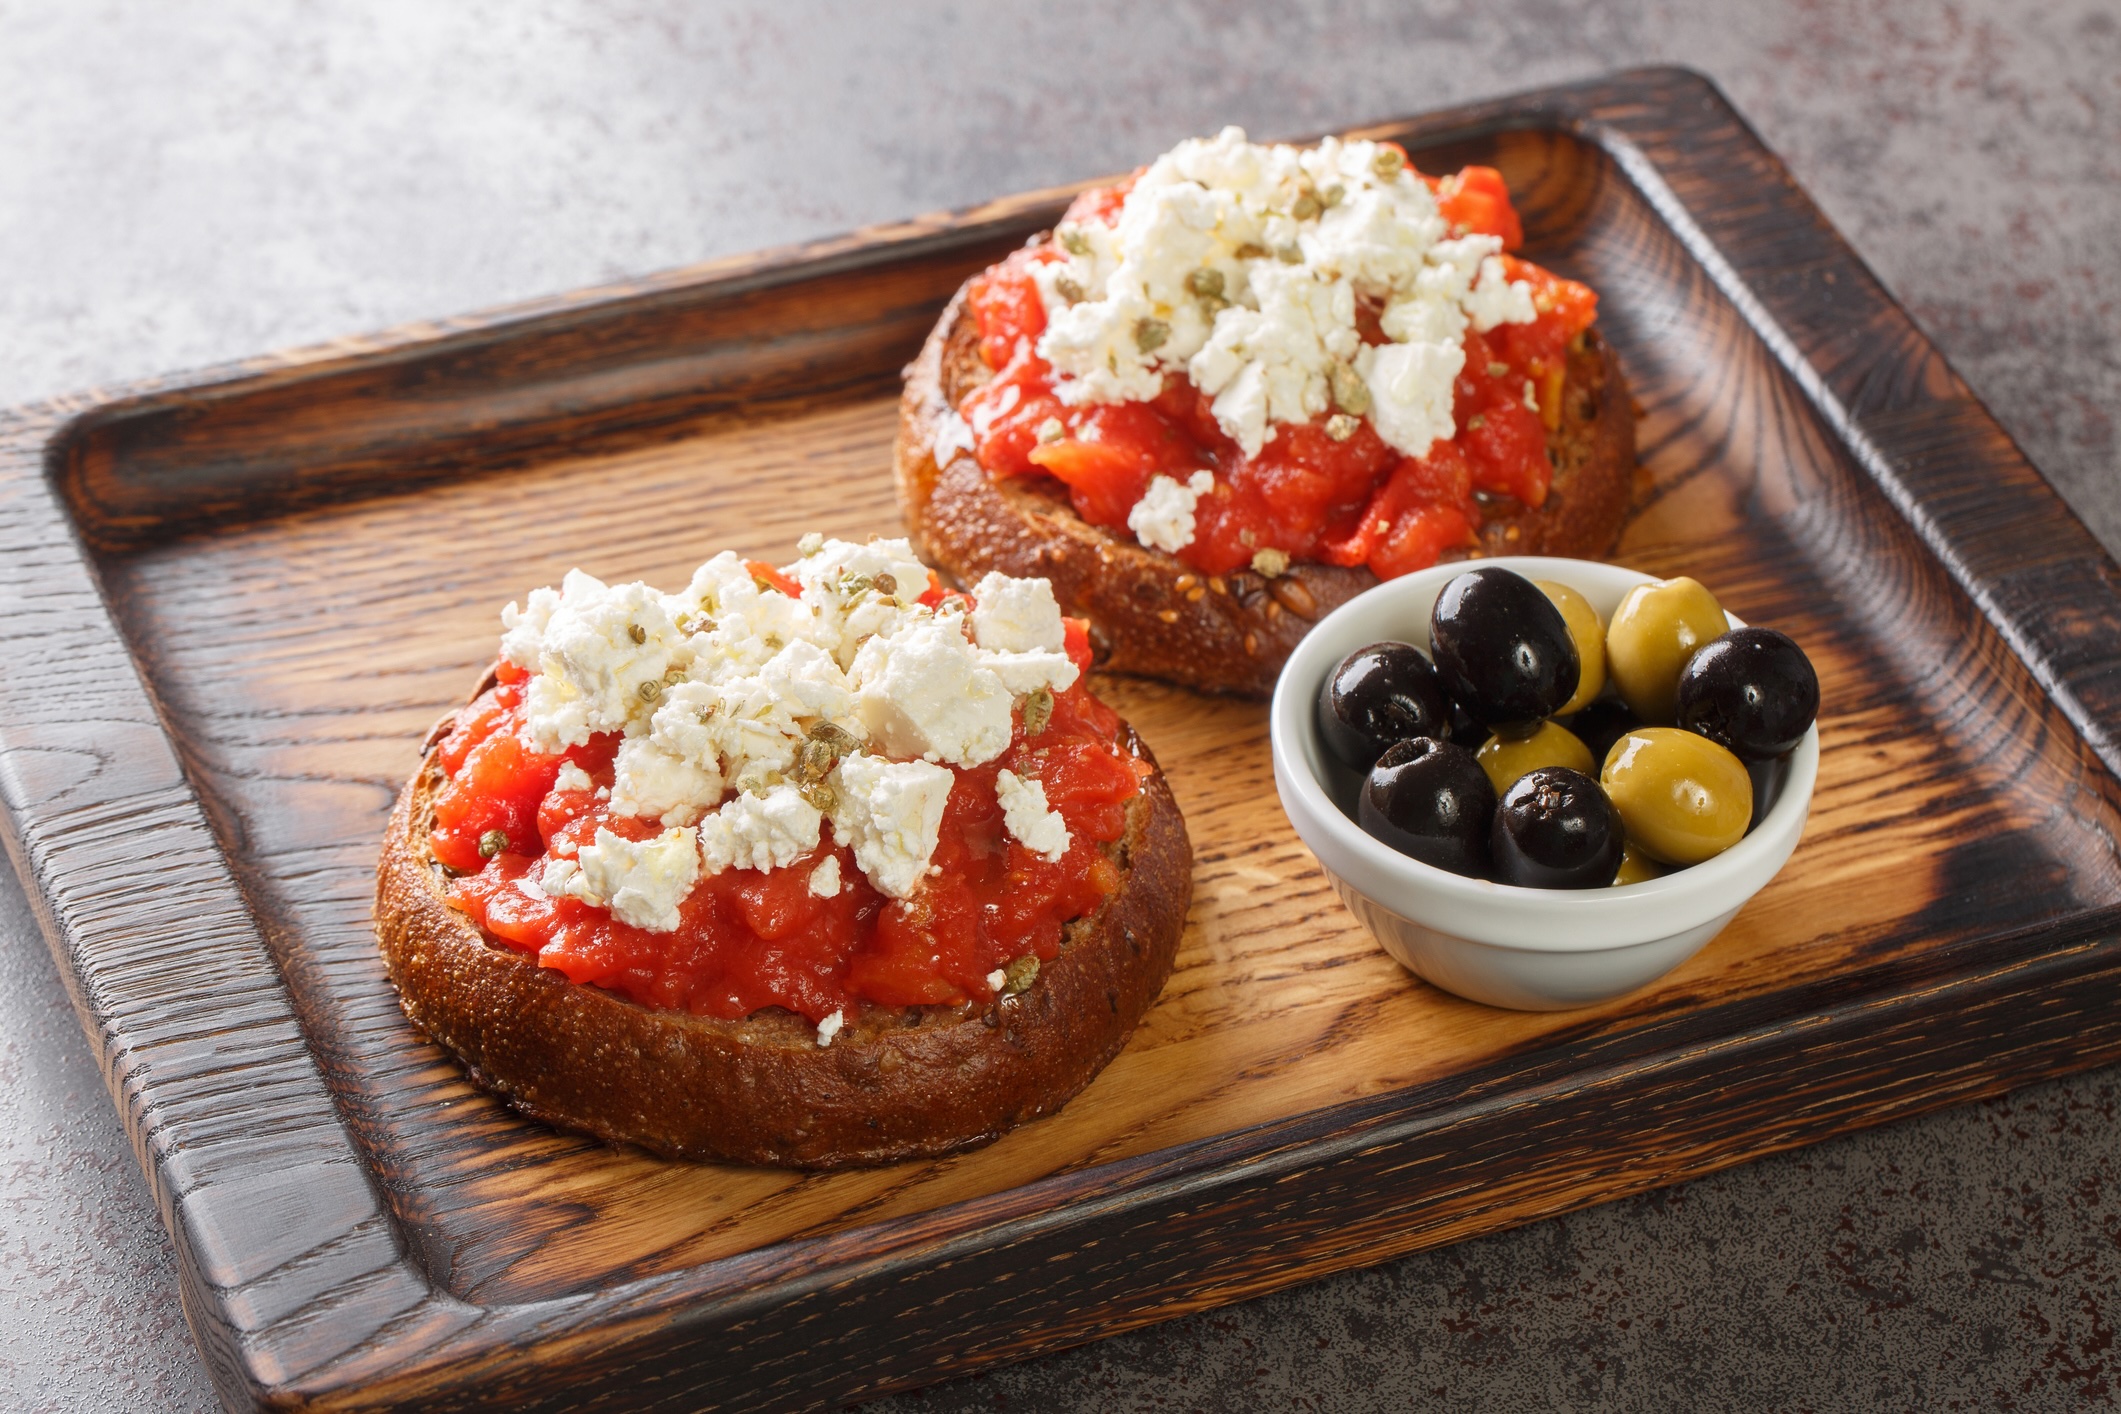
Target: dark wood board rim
x: 279, y: 1324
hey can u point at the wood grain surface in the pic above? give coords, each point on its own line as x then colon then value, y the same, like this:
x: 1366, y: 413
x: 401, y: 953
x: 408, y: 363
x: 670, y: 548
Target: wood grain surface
x: 282, y: 578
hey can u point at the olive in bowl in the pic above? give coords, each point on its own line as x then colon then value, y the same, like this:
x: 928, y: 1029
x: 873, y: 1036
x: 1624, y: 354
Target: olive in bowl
x: 1683, y: 798
x: 1431, y: 801
x: 1657, y: 627
x: 1751, y: 691
x: 1527, y: 948
x: 1502, y: 649
x: 1380, y: 694
x: 1556, y: 829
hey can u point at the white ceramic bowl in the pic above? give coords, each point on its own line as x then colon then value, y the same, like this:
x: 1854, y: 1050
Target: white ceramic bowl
x: 1531, y: 949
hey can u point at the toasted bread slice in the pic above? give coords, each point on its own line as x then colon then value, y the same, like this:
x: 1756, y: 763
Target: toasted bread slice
x: 1149, y: 613
x: 895, y: 1083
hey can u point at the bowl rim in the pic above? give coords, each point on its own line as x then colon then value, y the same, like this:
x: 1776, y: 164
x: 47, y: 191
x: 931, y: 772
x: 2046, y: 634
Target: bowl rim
x: 1480, y: 910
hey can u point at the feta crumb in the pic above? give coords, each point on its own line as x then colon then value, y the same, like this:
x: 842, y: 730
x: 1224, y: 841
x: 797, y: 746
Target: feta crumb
x: 762, y: 832
x: 890, y: 814
x: 1016, y: 615
x: 598, y: 652
x: 653, y: 783
x: 923, y: 692
x: 1163, y: 518
x: 997, y: 979
x: 1024, y: 811
x: 1497, y: 299
x: 641, y: 882
x: 825, y: 879
x: 1412, y: 387
x: 830, y: 1027
x: 572, y: 777
x: 1027, y: 672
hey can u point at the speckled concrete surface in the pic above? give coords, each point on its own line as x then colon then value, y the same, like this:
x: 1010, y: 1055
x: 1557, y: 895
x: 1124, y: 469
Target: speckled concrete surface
x: 180, y: 185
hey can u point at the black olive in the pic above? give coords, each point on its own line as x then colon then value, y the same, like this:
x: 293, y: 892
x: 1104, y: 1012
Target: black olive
x: 1601, y: 724
x: 1430, y: 799
x: 1751, y: 691
x: 1555, y: 829
x: 1502, y: 649
x: 1384, y: 693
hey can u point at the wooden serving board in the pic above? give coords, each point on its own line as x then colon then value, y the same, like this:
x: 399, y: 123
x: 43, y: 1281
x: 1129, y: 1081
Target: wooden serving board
x: 235, y: 602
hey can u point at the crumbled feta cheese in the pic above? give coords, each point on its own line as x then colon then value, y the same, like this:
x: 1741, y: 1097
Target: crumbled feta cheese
x: 825, y: 879
x: 641, y: 882
x: 997, y: 979
x: 600, y: 647
x: 1027, y: 672
x: 1024, y: 811
x: 922, y: 692
x: 1017, y: 625
x: 864, y: 589
x: 830, y: 1027
x: 1497, y: 299
x: 530, y: 886
x: 1288, y: 244
x: 524, y: 629
x: 768, y: 831
x: 572, y: 777
x: 1016, y: 616
x: 1163, y: 518
x: 1412, y: 387
x: 654, y: 783
x: 890, y: 814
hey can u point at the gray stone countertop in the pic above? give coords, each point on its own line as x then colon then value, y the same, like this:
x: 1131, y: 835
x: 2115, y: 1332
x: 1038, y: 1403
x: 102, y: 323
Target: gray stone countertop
x: 181, y: 185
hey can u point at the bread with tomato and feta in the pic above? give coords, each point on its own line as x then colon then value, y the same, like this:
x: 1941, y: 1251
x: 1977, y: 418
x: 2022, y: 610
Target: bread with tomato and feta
x: 1231, y: 392
x: 818, y: 865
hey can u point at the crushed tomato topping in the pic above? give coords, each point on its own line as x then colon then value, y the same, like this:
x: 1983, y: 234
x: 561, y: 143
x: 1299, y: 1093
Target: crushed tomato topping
x: 1317, y: 491
x: 747, y: 939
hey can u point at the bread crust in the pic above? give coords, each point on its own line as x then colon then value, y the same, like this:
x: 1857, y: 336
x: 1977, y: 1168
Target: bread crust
x: 895, y: 1084
x: 1149, y: 613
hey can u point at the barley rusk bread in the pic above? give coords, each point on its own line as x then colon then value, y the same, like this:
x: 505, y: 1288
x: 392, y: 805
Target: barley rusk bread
x: 1145, y: 614
x: 896, y: 1083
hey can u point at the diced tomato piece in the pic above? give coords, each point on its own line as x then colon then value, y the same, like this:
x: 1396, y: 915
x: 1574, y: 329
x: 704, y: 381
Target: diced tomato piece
x: 1108, y: 454
x: 1009, y: 412
x: 1477, y: 200
x: 1006, y: 304
x: 490, y: 711
x: 1506, y: 444
x: 1101, y: 204
x: 1420, y: 512
x: 772, y: 578
x: 1571, y: 307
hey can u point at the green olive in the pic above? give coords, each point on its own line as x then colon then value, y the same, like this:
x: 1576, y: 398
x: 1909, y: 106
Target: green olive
x: 1654, y: 631
x: 1588, y: 634
x: 1682, y: 797
x: 1505, y: 759
x: 1636, y: 867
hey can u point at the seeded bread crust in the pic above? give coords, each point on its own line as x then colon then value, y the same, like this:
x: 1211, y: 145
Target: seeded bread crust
x: 1149, y: 613
x: 896, y: 1083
